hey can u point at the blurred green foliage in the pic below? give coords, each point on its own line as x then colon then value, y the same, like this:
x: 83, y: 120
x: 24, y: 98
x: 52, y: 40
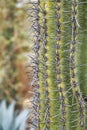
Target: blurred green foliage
x: 13, y: 47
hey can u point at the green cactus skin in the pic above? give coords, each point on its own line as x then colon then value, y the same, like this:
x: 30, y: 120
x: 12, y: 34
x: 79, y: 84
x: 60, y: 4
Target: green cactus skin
x: 43, y: 90
x: 82, y: 46
x: 73, y: 69
x: 59, y: 102
x: 82, y: 51
x: 51, y: 63
x: 60, y: 68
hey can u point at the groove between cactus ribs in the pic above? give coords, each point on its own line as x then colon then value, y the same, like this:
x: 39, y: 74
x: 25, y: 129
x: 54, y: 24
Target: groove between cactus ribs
x: 73, y: 69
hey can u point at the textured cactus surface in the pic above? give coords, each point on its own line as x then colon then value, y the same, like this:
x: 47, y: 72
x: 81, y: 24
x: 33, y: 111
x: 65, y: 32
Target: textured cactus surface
x: 59, y: 64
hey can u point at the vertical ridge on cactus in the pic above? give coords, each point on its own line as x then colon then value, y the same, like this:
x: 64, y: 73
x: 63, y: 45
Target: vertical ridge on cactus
x: 51, y: 62
x: 82, y: 46
x: 60, y: 74
x: 36, y: 99
x: 59, y: 94
x: 73, y: 69
x: 82, y: 52
x: 43, y: 90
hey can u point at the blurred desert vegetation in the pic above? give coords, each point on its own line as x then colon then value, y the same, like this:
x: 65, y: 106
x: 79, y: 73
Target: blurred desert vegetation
x: 14, y: 46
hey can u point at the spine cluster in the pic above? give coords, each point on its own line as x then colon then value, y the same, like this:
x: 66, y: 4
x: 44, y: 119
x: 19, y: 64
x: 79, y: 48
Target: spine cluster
x: 73, y: 68
x: 63, y: 98
x: 43, y: 76
x: 35, y: 66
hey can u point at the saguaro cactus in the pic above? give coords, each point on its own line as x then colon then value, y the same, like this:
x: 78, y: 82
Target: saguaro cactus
x: 59, y: 64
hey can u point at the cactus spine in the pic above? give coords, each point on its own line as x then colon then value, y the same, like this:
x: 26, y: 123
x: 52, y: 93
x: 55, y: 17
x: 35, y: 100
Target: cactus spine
x: 73, y: 69
x: 59, y: 102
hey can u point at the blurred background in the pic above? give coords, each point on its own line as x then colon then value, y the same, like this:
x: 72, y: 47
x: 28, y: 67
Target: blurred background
x: 14, y: 47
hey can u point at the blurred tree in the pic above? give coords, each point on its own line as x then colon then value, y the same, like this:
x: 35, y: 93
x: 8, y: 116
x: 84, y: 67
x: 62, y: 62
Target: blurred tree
x: 13, y: 45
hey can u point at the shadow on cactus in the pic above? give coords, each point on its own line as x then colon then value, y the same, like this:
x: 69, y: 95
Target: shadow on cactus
x: 10, y: 119
x: 59, y: 63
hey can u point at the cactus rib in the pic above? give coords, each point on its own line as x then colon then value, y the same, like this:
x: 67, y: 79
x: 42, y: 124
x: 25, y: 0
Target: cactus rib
x: 60, y: 74
x: 51, y: 63
x: 36, y: 98
x: 74, y: 82
x: 43, y: 90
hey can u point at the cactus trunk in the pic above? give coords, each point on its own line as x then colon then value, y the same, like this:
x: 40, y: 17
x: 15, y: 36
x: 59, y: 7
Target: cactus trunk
x: 59, y: 65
